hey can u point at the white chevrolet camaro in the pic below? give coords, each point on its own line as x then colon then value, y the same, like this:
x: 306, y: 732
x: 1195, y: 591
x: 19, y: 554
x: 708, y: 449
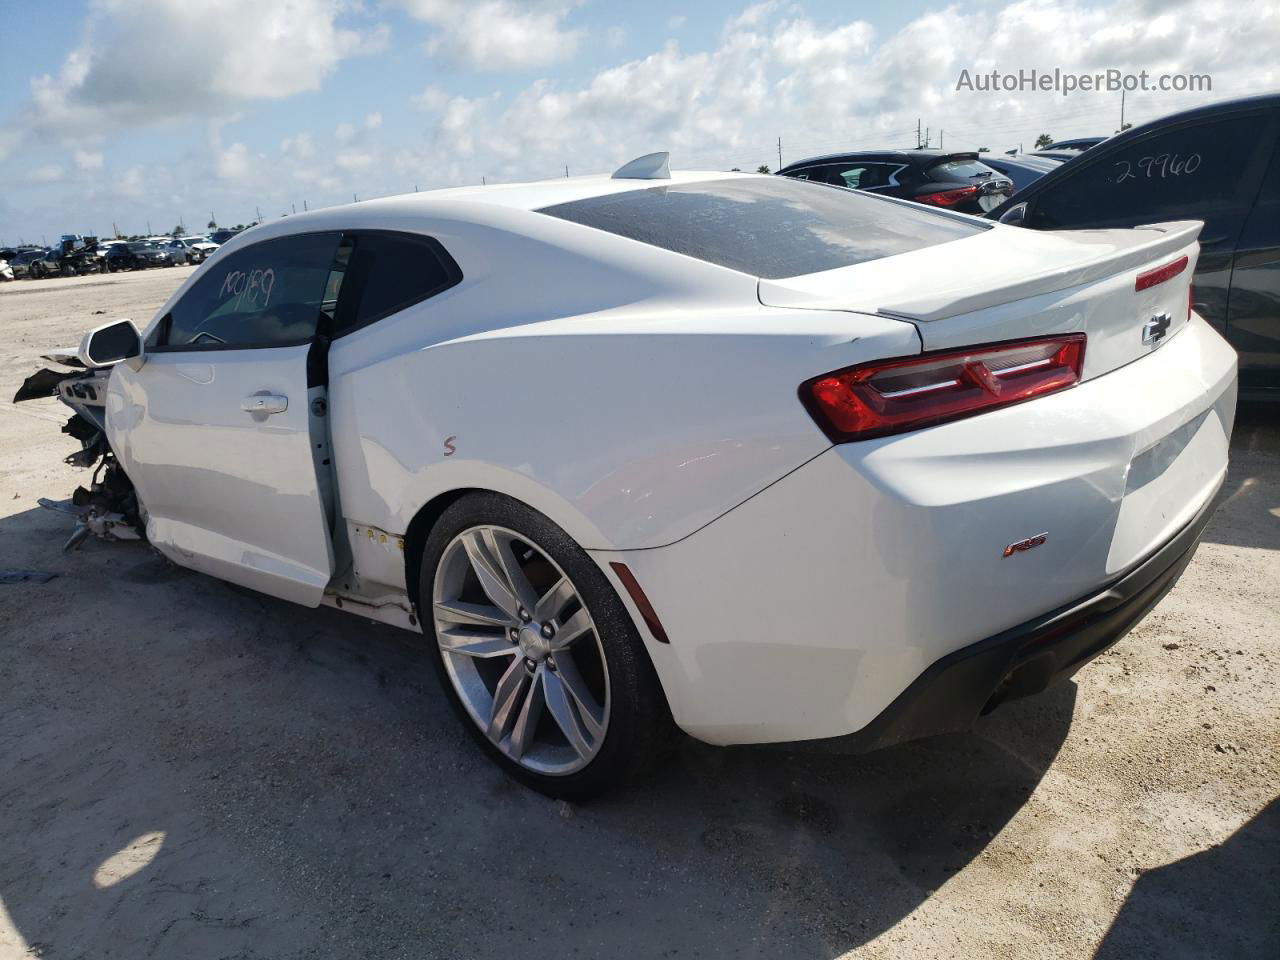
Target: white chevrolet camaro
x: 773, y: 460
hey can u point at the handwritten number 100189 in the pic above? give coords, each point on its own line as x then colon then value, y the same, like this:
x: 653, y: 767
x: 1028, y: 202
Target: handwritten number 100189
x: 1160, y: 167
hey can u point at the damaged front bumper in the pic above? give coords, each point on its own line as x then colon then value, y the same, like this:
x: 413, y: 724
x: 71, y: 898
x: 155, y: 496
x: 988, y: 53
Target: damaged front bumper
x: 108, y: 507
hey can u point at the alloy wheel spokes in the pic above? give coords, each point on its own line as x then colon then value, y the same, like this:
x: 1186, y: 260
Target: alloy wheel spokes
x: 521, y: 650
x: 499, y: 574
x: 508, y: 697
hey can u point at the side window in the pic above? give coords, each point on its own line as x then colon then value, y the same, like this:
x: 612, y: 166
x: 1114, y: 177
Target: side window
x: 271, y: 294
x: 1197, y: 172
x: 387, y: 272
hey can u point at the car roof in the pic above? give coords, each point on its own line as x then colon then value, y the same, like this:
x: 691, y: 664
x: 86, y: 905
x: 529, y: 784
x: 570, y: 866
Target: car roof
x: 535, y: 194
x: 893, y: 156
x: 1025, y: 161
x: 1119, y: 141
x: 466, y: 202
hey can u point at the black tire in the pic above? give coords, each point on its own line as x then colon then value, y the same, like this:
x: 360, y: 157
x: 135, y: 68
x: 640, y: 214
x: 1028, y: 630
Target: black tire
x: 640, y: 731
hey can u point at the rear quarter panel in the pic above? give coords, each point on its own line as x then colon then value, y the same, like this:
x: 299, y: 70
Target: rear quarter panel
x: 630, y: 430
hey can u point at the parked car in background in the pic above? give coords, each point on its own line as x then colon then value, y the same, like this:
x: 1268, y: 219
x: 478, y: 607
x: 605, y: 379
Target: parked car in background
x: 6, y: 271
x: 138, y: 254
x: 1057, y: 156
x: 191, y: 249
x: 851, y: 467
x: 956, y: 181
x: 1022, y: 170
x: 46, y: 263
x: 1076, y: 145
x: 1219, y: 164
x: 222, y: 236
x: 21, y: 264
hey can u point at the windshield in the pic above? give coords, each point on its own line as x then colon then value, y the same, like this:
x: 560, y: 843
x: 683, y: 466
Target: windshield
x: 770, y: 227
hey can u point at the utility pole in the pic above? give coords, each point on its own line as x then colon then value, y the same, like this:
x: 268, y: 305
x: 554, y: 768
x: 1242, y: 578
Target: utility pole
x: 1122, y: 109
x: 294, y: 206
x: 483, y: 181
x: 304, y: 206
x: 779, y: 153
x: 566, y: 171
x: 258, y: 211
x: 940, y: 133
x: 213, y: 218
x: 354, y: 198
x: 926, y: 138
x: 919, y: 142
x: 148, y: 228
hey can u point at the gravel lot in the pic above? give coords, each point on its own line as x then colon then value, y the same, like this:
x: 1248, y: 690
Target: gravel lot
x: 191, y: 770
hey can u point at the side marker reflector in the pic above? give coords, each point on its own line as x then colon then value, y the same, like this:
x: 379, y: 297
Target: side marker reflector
x: 641, y: 601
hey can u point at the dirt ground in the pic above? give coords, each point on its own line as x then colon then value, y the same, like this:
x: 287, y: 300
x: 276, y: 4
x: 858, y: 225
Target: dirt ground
x: 190, y: 770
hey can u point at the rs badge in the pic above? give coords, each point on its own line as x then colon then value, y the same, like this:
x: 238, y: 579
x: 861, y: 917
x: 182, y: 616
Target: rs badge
x: 1024, y: 545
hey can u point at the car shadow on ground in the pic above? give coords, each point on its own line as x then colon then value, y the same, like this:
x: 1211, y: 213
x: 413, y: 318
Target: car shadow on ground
x: 1235, y: 887
x: 191, y: 770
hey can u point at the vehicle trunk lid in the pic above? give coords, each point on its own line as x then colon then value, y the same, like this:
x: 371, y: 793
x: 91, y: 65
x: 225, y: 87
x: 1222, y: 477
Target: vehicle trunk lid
x: 1009, y: 283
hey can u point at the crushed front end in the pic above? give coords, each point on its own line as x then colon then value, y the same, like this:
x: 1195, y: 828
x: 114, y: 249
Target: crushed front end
x: 108, y: 506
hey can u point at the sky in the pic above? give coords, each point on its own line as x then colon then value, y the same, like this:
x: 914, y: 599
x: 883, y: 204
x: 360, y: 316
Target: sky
x: 140, y: 115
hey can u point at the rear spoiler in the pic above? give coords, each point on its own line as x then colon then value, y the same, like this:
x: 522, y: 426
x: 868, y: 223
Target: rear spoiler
x: 1041, y: 264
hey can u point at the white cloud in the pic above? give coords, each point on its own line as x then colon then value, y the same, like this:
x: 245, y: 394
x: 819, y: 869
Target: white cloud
x: 432, y: 99
x: 676, y: 22
x: 137, y: 59
x: 825, y: 86
x: 46, y: 173
x: 373, y: 121
x: 233, y: 162
x: 87, y: 160
x: 497, y: 35
x: 351, y: 160
x: 301, y: 145
x: 615, y: 37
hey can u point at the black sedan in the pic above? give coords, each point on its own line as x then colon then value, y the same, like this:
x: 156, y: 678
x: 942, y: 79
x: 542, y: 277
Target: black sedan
x: 1023, y: 170
x: 956, y: 181
x: 136, y: 255
x: 1219, y: 164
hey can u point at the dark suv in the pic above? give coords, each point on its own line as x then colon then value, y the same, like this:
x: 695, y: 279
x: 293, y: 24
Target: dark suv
x: 1219, y: 164
x: 956, y: 181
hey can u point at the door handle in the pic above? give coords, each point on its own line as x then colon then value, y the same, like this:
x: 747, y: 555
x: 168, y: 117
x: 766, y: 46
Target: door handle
x: 265, y: 403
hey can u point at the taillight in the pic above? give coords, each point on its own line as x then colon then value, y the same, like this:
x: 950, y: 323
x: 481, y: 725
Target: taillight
x: 948, y: 198
x: 893, y: 396
x: 1160, y: 274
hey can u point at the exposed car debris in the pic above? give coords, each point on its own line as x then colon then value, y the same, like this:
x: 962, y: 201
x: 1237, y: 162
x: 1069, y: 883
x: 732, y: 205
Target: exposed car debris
x: 108, y: 508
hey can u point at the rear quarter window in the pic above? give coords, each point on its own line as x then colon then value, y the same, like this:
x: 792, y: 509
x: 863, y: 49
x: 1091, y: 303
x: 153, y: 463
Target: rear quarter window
x: 768, y: 227
x: 959, y: 171
x: 387, y: 272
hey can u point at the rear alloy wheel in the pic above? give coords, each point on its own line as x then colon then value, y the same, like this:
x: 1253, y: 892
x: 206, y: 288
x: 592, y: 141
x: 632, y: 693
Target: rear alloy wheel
x: 537, y: 651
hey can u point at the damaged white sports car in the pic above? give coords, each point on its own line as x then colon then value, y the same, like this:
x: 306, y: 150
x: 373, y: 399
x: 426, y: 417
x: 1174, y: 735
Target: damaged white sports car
x: 774, y: 460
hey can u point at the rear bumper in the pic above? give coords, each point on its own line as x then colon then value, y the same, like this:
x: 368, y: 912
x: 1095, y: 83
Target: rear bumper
x: 806, y: 612
x: 1027, y: 659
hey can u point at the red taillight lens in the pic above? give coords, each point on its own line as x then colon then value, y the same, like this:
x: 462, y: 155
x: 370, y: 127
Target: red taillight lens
x: 893, y: 396
x: 1160, y: 274
x: 948, y: 198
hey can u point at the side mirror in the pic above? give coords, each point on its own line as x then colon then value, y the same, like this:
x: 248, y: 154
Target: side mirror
x: 1015, y: 216
x: 112, y: 343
